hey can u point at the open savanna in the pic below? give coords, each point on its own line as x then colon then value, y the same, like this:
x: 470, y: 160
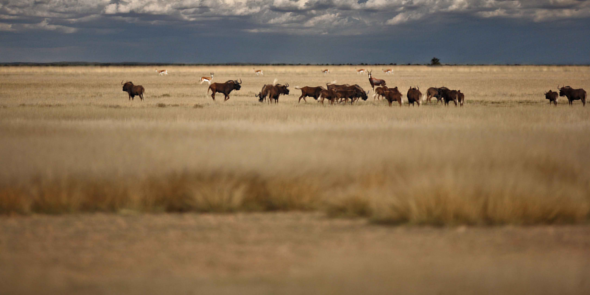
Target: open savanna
x: 72, y: 142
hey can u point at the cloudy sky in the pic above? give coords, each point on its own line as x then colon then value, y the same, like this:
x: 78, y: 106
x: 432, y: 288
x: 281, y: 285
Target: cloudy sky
x: 296, y: 31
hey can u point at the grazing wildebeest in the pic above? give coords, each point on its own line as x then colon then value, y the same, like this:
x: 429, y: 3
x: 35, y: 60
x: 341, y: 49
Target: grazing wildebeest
x: 328, y: 94
x: 552, y: 96
x: 393, y: 94
x: 460, y: 97
x: 133, y: 90
x: 573, y: 94
x: 433, y: 92
x: 414, y: 95
x: 375, y: 82
x: 273, y: 92
x: 264, y: 92
x: 225, y: 88
x: 335, y: 87
x: 352, y: 92
x: 448, y: 95
x: 309, y: 92
x: 344, y: 95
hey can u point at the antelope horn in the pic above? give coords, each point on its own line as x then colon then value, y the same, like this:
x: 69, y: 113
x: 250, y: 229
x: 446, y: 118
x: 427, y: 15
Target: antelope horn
x: 240, y: 80
x: 287, y: 85
x: 122, y: 81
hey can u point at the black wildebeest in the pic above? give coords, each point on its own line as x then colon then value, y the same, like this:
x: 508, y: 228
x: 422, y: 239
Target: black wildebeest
x: 352, y: 92
x: 225, y: 88
x: 448, y: 95
x: 133, y: 90
x: 309, y: 92
x: 552, y: 96
x: 573, y: 94
x: 335, y: 88
x: 375, y: 82
x: 460, y: 97
x: 392, y: 94
x: 273, y: 92
x: 414, y: 95
x: 328, y: 94
x: 433, y: 92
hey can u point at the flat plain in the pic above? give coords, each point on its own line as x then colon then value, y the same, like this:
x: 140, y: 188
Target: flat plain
x: 110, y: 169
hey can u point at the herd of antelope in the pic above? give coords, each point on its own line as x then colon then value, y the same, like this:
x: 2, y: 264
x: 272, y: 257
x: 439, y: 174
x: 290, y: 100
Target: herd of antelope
x: 345, y: 92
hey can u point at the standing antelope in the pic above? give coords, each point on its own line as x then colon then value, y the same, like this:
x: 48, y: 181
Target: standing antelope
x: 258, y: 72
x: 375, y: 82
x: 360, y: 71
x: 207, y: 79
x: 162, y: 72
x: 387, y: 71
x: 326, y: 71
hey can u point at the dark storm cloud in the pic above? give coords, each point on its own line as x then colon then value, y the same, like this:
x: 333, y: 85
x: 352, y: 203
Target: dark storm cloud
x: 118, y: 22
x: 311, y: 16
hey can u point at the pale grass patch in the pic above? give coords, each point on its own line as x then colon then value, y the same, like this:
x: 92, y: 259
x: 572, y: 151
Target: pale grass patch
x: 504, y: 158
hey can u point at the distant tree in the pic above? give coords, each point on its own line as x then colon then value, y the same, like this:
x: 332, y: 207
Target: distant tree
x: 435, y: 62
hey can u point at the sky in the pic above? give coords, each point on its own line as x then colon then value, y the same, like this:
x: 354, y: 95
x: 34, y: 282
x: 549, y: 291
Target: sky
x: 296, y: 31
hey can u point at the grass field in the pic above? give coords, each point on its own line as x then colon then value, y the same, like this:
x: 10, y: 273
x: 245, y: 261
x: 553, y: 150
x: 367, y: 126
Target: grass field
x: 88, y: 179
x: 283, y: 253
x: 72, y: 142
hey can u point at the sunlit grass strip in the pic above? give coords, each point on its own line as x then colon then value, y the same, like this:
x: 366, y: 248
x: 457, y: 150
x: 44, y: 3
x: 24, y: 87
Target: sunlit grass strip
x: 450, y: 200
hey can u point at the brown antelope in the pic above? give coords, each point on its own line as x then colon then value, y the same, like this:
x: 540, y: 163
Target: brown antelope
x: 258, y: 72
x: 375, y: 82
x: 162, y: 72
x: 361, y: 71
x: 326, y: 71
x: 387, y: 71
x: 207, y: 79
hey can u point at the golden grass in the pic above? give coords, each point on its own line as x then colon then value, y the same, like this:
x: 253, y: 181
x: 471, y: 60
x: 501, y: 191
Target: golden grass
x: 505, y: 158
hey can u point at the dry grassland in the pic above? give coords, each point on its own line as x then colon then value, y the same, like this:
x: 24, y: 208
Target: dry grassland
x: 283, y: 253
x: 71, y: 142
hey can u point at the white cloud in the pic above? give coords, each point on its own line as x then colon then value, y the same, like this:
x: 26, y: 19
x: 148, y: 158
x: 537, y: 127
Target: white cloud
x: 286, y: 18
x: 5, y: 27
x: 289, y: 16
x: 405, y: 17
x: 44, y: 25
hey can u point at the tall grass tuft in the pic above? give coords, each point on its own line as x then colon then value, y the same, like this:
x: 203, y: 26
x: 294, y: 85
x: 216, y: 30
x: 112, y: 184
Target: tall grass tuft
x: 453, y: 198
